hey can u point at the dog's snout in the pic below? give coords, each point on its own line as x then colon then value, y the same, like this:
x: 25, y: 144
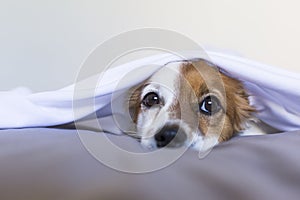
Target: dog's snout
x: 173, y: 136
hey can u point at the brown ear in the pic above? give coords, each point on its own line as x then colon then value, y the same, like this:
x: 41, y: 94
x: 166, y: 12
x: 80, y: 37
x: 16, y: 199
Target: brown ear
x: 243, y: 111
x: 240, y: 111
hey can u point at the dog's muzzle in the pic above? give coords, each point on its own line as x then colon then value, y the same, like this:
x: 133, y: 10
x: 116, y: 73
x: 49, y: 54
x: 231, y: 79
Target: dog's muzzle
x: 170, y: 136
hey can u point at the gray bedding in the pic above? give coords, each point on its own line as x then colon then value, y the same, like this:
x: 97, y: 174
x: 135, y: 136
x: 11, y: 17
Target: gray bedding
x: 48, y: 163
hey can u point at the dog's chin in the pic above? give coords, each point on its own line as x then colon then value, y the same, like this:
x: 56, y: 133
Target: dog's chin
x: 149, y: 144
x: 199, y: 143
x: 204, y: 144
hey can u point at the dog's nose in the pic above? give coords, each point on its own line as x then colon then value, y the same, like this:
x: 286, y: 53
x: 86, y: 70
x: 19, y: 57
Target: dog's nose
x: 172, y: 136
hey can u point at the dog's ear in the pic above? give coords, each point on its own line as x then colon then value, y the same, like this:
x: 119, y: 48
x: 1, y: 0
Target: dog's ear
x: 240, y: 111
x: 243, y: 111
x: 134, y: 102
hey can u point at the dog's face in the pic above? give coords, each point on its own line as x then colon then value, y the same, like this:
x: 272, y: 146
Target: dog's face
x: 185, y: 102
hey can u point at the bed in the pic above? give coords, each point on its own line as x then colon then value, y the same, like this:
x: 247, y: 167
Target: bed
x: 52, y: 163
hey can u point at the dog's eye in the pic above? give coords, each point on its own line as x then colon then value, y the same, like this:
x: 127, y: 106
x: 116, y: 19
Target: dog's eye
x: 210, y: 105
x: 151, y: 99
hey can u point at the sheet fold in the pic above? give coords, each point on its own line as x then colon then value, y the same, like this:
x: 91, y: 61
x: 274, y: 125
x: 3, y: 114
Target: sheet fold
x: 274, y: 91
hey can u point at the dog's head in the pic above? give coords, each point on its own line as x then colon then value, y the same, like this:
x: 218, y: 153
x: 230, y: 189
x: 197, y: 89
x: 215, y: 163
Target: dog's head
x: 184, y: 102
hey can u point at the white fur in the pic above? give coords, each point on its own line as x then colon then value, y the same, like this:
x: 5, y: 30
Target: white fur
x: 165, y: 83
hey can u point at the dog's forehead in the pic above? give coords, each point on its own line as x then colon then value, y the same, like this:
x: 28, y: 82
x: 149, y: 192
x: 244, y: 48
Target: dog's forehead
x: 185, y: 76
x: 201, y: 76
x: 175, y: 74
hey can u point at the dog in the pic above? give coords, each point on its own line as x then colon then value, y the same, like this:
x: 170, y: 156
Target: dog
x: 186, y: 102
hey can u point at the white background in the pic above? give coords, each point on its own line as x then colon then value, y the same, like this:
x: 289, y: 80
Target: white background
x: 44, y: 42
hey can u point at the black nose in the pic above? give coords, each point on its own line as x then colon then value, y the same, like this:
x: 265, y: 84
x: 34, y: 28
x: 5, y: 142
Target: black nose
x: 172, y: 136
